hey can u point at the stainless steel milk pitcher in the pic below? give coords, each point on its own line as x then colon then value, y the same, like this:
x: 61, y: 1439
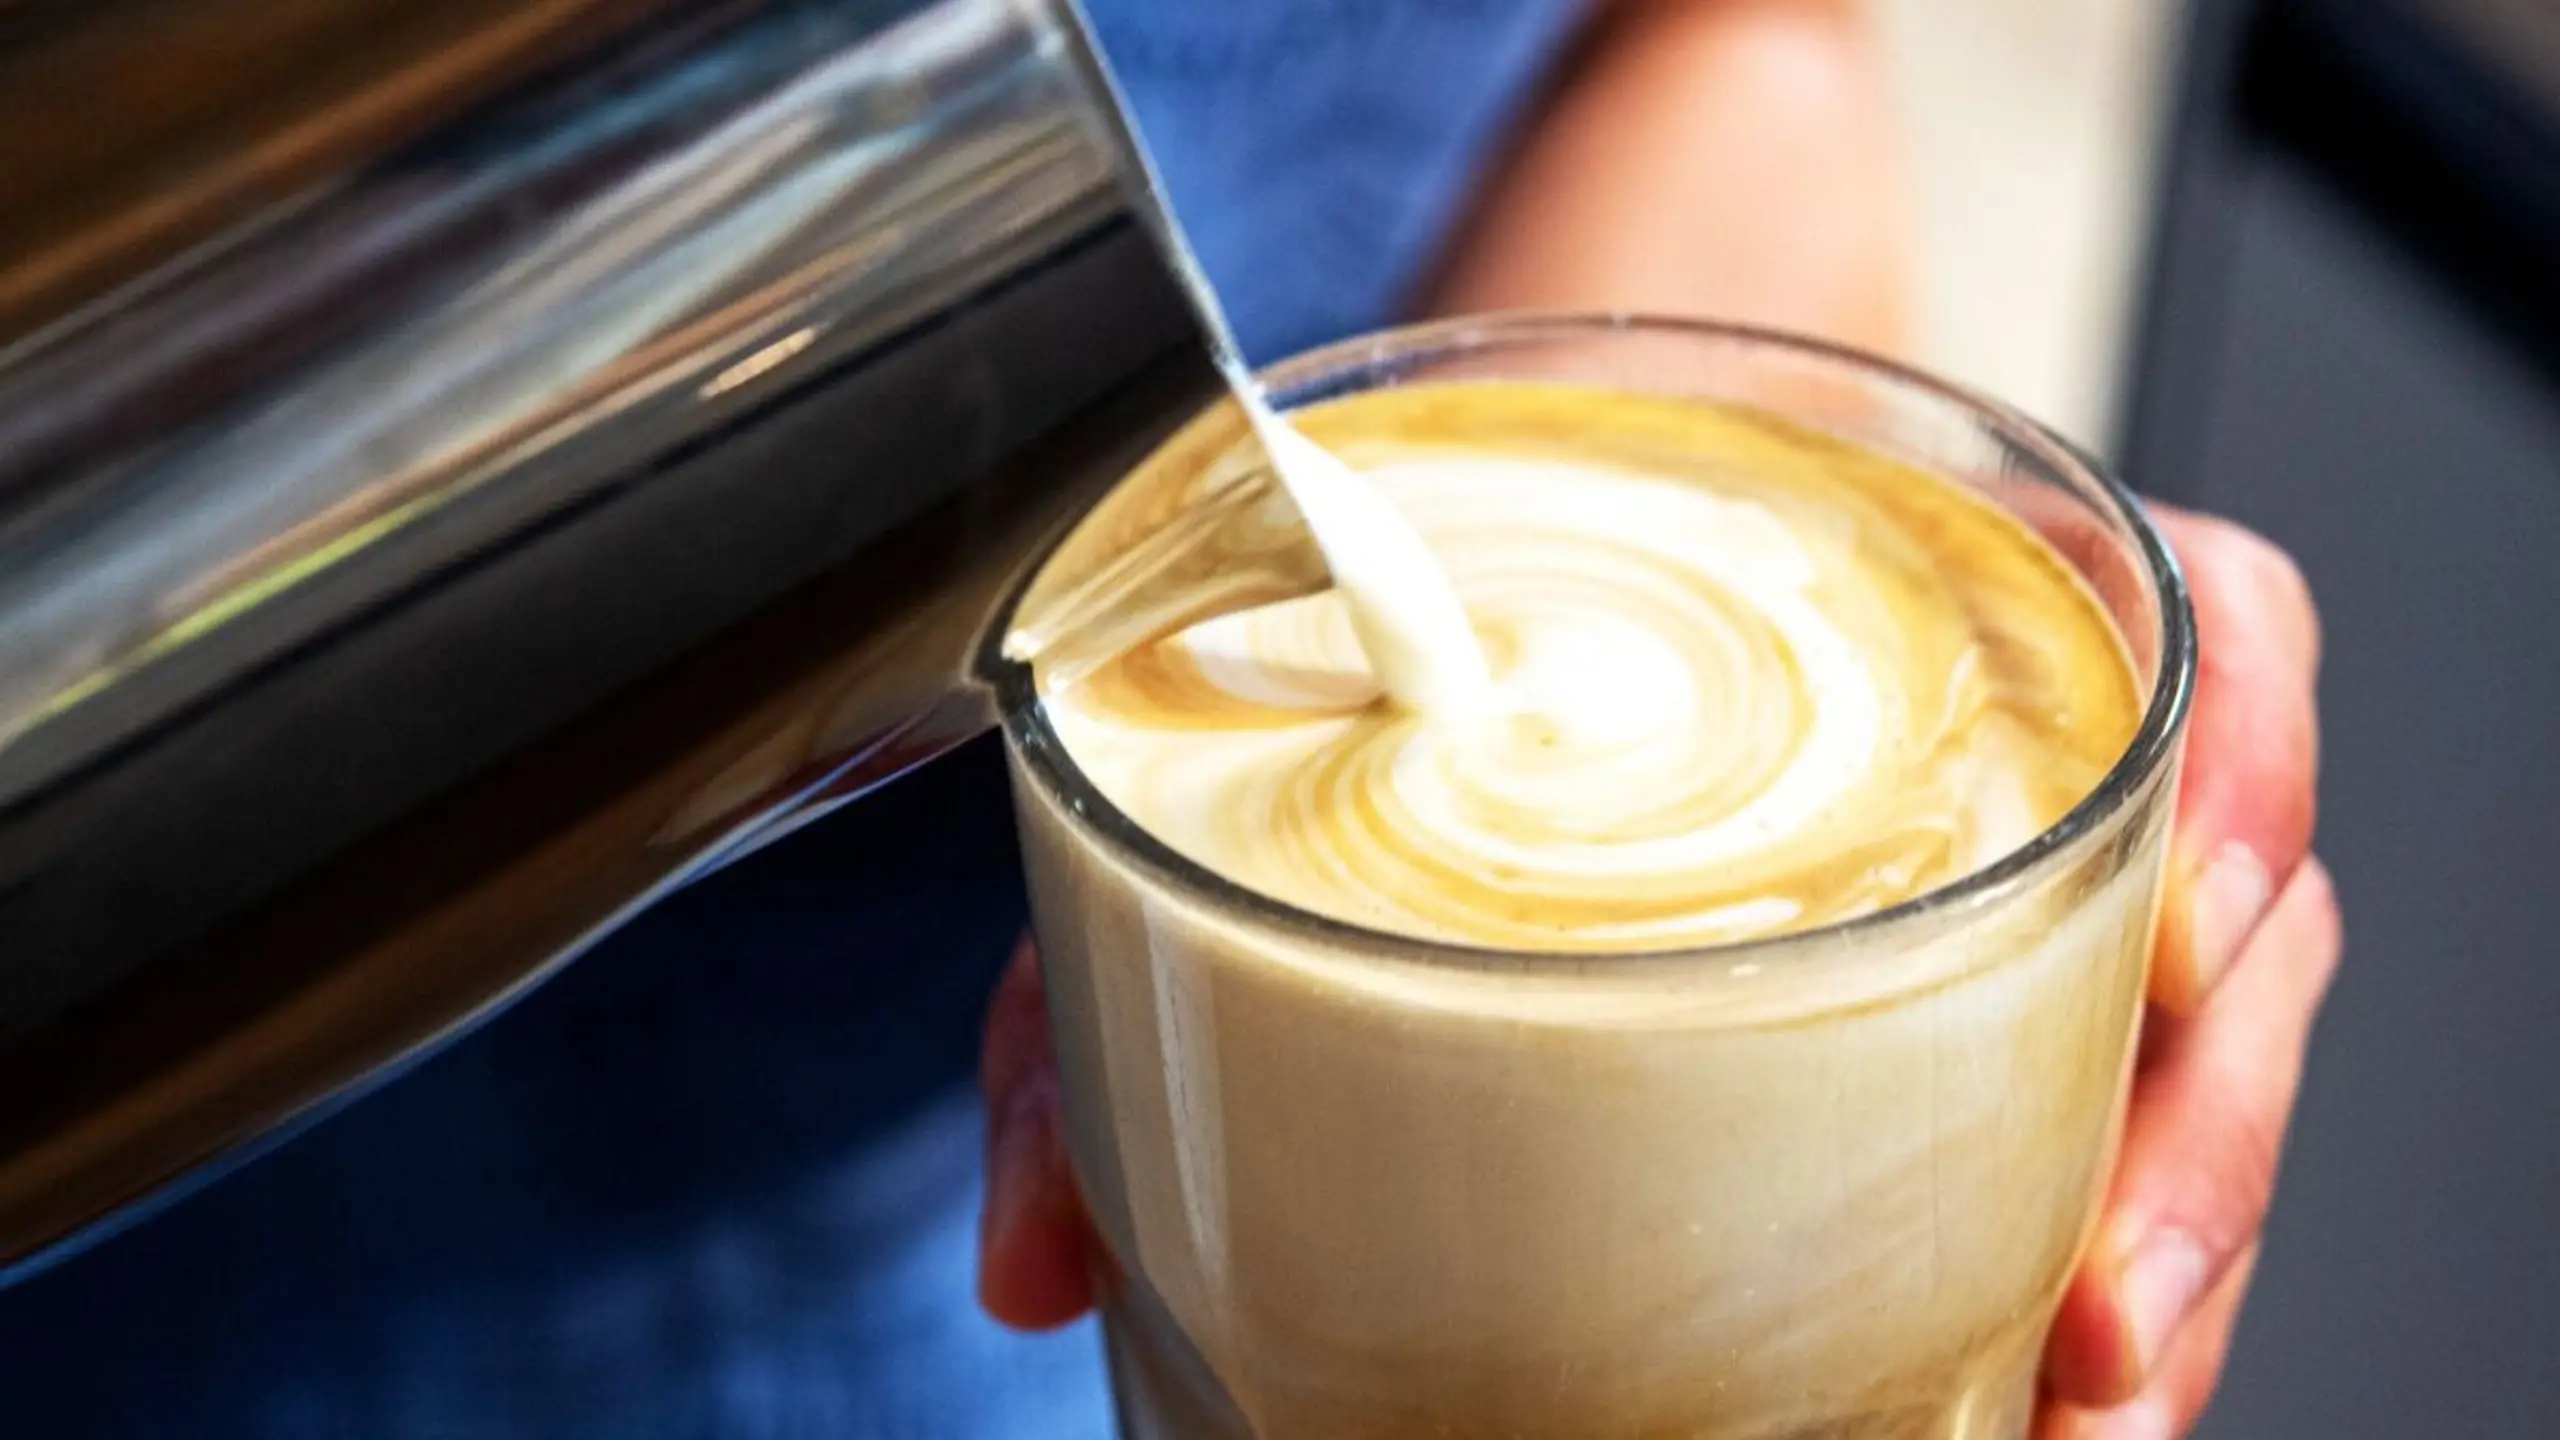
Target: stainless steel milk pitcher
x: 466, y: 466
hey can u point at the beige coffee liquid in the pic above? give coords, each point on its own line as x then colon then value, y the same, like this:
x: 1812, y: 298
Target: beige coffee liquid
x: 1749, y: 680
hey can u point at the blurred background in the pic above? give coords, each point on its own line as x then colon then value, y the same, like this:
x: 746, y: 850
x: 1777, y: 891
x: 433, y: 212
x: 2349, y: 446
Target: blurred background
x: 2031, y: 128
x: 2299, y: 262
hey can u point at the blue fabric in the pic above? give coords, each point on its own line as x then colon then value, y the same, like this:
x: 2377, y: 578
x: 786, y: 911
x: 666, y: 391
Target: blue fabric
x: 1319, y: 150
x: 719, y: 1182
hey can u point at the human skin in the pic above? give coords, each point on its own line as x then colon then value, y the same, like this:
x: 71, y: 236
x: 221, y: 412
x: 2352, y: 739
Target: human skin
x: 1622, y: 195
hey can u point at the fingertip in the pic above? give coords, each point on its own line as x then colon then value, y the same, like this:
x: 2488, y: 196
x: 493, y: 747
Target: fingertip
x: 2315, y: 891
x: 2152, y: 1306
x: 2176, y: 1390
x: 2215, y: 903
x: 2090, y: 1355
x: 1016, y: 1042
x: 2139, y: 1420
x: 2249, y: 800
x: 1032, y: 1273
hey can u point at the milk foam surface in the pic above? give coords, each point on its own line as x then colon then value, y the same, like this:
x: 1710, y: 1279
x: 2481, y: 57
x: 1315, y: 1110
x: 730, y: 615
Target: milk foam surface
x: 1747, y: 680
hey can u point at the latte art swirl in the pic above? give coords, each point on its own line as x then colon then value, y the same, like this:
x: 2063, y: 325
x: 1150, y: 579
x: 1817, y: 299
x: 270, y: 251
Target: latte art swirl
x: 1774, y: 687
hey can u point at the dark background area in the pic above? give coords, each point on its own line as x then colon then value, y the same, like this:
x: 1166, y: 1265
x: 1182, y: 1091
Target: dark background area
x: 2353, y: 344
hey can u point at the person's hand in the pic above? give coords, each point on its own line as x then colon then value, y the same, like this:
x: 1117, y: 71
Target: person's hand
x: 2247, y: 945
x: 1033, y: 1237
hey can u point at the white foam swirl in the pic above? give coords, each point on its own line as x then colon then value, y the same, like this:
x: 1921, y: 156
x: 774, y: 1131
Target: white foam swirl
x: 1723, y: 708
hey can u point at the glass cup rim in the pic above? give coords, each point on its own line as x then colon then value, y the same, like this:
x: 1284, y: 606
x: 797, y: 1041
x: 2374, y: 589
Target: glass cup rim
x: 1335, y: 369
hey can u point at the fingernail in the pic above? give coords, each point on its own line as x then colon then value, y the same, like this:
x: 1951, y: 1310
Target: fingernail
x: 2164, y: 1281
x: 2142, y: 1420
x: 2230, y: 897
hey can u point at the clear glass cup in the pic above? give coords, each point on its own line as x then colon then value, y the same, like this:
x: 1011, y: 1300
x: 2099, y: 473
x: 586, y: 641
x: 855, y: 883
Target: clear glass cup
x: 1826, y: 1184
